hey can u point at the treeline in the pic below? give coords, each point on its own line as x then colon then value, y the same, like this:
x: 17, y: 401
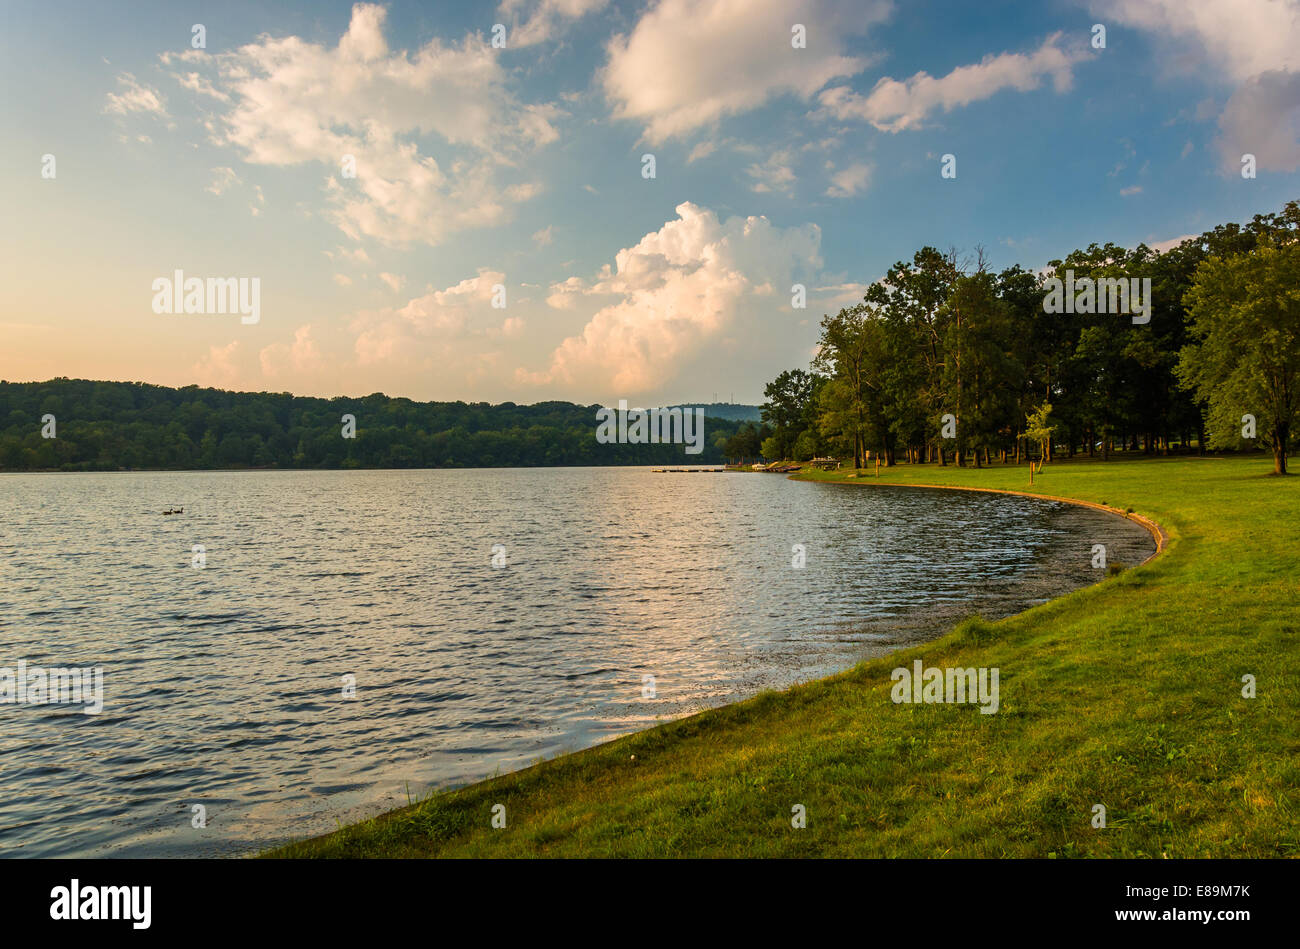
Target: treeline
x: 945, y: 360
x: 108, y: 426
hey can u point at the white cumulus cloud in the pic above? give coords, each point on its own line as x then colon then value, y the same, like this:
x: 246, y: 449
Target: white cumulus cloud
x: 680, y: 288
x: 688, y: 63
x: 894, y: 105
x: 287, y: 101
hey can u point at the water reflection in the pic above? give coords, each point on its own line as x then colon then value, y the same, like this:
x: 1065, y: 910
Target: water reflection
x: 223, y: 685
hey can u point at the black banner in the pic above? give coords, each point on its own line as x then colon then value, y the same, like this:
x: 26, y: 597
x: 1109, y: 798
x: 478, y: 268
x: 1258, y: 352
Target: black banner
x: 634, y: 899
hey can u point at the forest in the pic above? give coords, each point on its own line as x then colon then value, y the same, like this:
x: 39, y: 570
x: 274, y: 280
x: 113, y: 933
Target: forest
x: 111, y: 426
x: 946, y: 361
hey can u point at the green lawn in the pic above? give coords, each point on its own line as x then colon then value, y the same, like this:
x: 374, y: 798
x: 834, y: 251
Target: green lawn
x: 1126, y: 694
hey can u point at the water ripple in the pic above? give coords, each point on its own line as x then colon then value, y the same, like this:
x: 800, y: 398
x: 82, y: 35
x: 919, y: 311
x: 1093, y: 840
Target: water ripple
x: 224, y: 687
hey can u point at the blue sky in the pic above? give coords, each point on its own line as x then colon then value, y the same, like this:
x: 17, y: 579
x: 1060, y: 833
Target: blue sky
x: 521, y: 168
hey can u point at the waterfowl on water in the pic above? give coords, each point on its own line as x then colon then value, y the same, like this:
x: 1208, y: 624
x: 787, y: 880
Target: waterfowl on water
x: 177, y: 511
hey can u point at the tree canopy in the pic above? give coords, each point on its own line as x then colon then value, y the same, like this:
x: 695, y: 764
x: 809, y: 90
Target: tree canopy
x: 126, y: 425
x: 946, y: 359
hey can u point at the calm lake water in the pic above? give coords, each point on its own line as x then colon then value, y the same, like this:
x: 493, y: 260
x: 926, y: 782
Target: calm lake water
x: 223, y: 686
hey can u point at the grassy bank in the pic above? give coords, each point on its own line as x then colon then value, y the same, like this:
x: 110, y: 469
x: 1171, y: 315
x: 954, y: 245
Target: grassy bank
x: 1126, y: 694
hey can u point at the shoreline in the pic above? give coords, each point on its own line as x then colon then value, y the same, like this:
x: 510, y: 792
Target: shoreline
x: 1154, y: 528
x: 1158, y: 532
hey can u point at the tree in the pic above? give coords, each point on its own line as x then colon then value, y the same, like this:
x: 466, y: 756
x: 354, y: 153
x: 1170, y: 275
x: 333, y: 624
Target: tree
x: 982, y: 379
x: 788, y: 409
x: 1038, y: 429
x: 808, y: 446
x: 1244, y: 358
x: 746, y: 443
x: 911, y: 300
x: 854, y: 353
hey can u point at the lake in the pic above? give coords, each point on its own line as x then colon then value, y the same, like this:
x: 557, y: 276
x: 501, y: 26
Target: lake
x: 224, y: 686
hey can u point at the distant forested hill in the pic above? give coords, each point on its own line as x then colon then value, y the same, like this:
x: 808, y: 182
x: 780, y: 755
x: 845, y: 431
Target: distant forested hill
x: 729, y: 410
x: 125, y: 425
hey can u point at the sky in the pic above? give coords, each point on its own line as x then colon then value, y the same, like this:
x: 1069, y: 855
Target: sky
x: 501, y: 238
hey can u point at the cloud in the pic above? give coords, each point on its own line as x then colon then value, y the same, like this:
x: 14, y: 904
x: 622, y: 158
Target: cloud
x: 1239, y: 38
x: 1130, y: 153
x: 839, y: 295
x: 135, y: 97
x: 1161, y: 247
x: 689, y: 63
x: 469, y: 292
x: 223, y: 179
x: 357, y: 255
x: 849, y: 181
x: 566, y: 294
x: 204, y: 87
x: 544, y: 19
x: 393, y: 280
x: 702, y: 150
x: 1205, y: 110
x: 1262, y: 118
x: 399, y: 335
x: 1254, y: 44
x: 1130, y: 190
x: 892, y: 106
x: 290, y: 102
x: 301, y: 356
x: 512, y: 327
x: 545, y: 236
x: 678, y: 289
x: 218, y: 367
x: 775, y: 174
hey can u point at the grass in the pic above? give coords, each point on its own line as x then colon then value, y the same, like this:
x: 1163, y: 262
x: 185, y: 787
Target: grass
x: 1126, y: 694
